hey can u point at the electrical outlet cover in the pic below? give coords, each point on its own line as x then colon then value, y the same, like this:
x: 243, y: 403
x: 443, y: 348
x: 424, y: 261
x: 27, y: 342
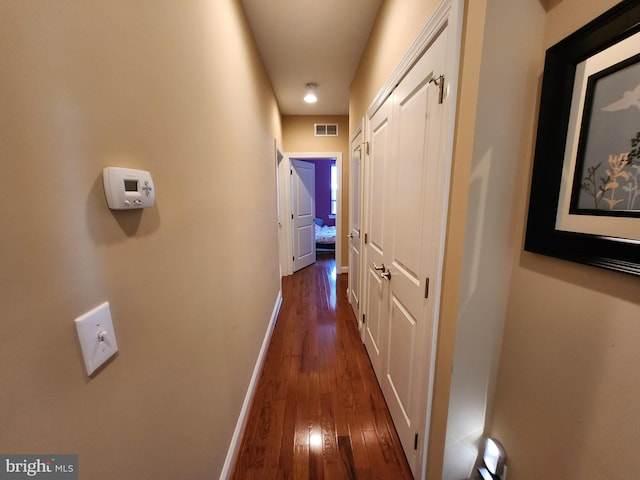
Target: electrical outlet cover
x: 97, y: 337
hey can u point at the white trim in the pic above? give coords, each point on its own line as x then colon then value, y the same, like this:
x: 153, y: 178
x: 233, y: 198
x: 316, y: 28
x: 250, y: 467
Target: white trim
x: 337, y: 156
x: 282, y: 205
x: 358, y: 130
x: 284, y: 177
x: 236, y: 439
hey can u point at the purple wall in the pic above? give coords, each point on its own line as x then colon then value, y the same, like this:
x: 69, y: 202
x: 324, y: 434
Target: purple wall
x: 323, y: 189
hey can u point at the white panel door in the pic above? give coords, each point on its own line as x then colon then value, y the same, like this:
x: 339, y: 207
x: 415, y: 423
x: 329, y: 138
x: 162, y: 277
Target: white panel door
x: 303, y: 185
x: 377, y: 294
x: 413, y: 235
x: 355, y: 188
x: 406, y: 184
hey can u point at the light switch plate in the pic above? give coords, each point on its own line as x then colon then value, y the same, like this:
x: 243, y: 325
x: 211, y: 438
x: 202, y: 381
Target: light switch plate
x: 97, y: 337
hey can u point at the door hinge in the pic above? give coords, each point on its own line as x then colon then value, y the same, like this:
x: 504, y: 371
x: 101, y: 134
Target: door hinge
x: 292, y: 216
x: 439, y: 82
x: 293, y: 258
x: 415, y: 442
x: 366, y: 238
x: 364, y: 318
x: 426, y: 287
x: 366, y: 147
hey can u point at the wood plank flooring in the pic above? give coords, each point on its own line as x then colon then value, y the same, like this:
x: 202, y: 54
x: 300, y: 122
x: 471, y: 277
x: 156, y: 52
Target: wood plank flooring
x: 318, y: 412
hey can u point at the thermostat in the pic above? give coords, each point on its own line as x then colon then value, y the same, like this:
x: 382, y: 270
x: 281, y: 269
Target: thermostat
x: 126, y: 188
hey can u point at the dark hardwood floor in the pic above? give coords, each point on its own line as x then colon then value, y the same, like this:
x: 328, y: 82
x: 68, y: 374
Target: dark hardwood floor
x: 318, y: 412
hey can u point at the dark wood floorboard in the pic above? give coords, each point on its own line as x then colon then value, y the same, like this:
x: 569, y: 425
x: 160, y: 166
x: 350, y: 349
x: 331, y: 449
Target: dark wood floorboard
x: 318, y: 412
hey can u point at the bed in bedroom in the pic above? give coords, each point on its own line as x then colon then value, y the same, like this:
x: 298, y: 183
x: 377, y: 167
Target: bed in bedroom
x: 325, y: 236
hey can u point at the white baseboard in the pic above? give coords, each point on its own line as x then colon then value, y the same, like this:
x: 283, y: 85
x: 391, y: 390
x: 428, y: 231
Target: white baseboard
x: 233, y: 451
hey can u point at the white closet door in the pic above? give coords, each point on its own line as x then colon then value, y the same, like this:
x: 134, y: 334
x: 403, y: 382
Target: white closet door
x: 406, y: 192
x: 377, y: 295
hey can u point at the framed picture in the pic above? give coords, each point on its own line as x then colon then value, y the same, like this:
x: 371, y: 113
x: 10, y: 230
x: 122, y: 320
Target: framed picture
x: 585, y: 189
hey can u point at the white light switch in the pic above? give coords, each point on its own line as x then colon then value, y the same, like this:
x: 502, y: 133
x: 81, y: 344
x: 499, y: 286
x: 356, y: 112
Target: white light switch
x: 97, y: 337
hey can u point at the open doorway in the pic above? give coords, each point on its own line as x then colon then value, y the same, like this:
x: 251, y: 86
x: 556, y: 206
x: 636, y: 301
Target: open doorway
x: 326, y: 186
x: 329, y: 204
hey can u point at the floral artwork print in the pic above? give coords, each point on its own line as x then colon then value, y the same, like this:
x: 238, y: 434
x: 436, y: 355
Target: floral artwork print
x: 607, y: 178
x: 619, y: 184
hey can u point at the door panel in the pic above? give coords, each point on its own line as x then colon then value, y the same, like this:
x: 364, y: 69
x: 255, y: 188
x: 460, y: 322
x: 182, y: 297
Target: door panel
x: 303, y: 186
x: 409, y: 163
x: 401, y: 352
x: 380, y: 145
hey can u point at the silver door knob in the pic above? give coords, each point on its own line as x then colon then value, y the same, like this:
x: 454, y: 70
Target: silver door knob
x: 350, y: 235
x: 379, y: 268
x: 386, y: 275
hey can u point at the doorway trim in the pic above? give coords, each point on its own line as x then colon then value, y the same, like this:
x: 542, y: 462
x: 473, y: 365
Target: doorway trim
x: 358, y: 131
x: 282, y: 208
x: 284, y: 176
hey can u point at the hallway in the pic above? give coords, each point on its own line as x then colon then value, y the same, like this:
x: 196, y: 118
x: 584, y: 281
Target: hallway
x: 318, y: 411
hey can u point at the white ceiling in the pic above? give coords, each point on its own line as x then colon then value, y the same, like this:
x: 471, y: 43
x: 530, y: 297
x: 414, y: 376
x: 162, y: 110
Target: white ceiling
x: 311, y: 41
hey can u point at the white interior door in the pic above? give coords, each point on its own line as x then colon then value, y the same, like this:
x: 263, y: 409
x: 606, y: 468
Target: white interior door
x: 375, y: 325
x: 355, y: 188
x: 407, y: 187
x: 303, y: 184
x: 416, y: 196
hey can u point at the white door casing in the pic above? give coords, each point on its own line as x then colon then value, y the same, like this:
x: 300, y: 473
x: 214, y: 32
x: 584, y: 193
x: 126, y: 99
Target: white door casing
x: 303, y: 184
x: 355, y: 211
x: 282, y: 214
x: 284, y: 175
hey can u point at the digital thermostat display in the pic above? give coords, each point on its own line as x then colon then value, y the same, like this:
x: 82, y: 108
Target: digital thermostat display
x: 130, y: 185
x: 126, y: 188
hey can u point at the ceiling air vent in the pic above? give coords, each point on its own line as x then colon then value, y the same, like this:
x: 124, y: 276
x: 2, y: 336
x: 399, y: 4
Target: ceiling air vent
x: 326, y: 129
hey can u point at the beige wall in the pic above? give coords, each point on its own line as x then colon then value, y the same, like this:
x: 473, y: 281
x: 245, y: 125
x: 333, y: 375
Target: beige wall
x: 298, y: 136
x: 568, y: 389
x: 505, y: 78
x: 176, y: 88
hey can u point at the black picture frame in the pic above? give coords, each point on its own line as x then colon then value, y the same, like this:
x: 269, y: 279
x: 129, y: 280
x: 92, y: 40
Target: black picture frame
x: 542, y: 236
